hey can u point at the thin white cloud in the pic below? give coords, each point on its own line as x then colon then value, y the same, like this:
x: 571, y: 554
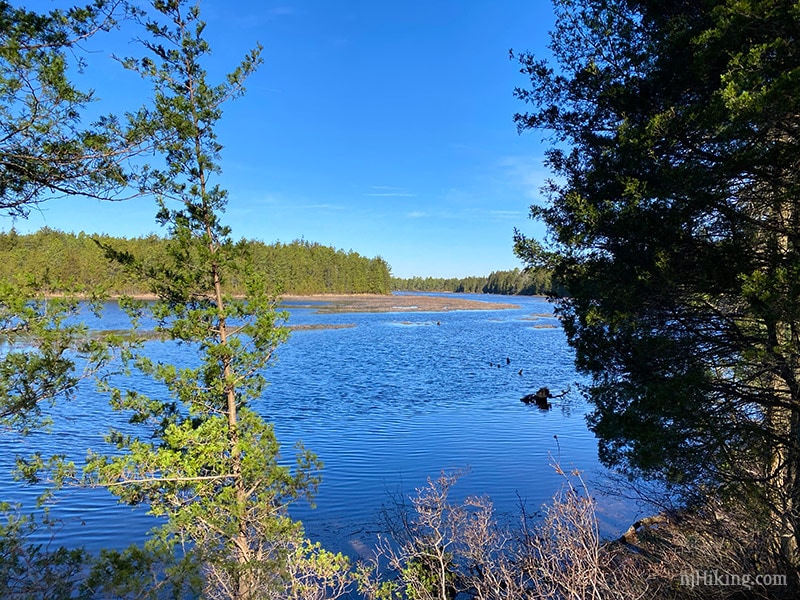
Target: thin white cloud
x: 270, y: 199
x: 391, y: 195
x: 416, y: 214
x: 255, y: 19
x: 506, y: 213
x: 389, y: 191
x: 528, y: 172
x: 325, y: 206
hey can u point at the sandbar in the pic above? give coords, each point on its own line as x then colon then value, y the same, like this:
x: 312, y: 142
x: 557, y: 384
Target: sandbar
x: 345, y: 303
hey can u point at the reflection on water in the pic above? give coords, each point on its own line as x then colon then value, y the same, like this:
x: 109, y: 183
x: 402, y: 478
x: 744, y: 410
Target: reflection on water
x: 385, y: 404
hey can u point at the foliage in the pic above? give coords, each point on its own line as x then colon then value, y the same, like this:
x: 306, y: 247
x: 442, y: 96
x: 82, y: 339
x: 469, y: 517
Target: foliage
x: 674, y: 229
x: 303, y: 267
x: 300, y: 267
x: 40, y: 339
x: 206, y: 462
x: 46, y: 351
x: 33, y: 569
x: 45, y: 151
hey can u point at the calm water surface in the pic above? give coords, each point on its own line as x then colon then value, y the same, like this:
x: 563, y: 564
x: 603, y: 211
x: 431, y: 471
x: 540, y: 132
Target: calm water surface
x: 385, y: 404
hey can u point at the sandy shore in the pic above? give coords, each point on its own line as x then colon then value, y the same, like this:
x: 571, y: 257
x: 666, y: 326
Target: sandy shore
x: 380, y: 303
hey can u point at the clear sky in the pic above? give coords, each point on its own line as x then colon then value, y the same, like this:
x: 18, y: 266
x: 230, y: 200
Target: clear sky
x: 378, y: 126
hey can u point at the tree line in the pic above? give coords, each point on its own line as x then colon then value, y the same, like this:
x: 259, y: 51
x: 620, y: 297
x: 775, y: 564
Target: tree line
x: 60, y: 261
x: 523, y: 282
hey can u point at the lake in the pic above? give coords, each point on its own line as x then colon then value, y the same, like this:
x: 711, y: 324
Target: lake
x: 385, y: 403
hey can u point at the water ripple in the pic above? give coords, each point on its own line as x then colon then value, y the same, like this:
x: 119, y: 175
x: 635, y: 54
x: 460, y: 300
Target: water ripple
x: 385, y: 404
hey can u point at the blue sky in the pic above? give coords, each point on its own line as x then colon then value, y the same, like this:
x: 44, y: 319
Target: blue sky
x: 384, y: 127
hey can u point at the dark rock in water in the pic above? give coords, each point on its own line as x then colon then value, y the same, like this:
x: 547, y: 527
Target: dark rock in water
x: 540, y: 398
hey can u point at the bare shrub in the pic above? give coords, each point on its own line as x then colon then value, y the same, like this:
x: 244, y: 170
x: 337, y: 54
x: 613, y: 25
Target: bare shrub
x: 491, y: 555
x: 443, y: 550
x: 564, y: 556
x: 422, y: 548
x: 439, y: 550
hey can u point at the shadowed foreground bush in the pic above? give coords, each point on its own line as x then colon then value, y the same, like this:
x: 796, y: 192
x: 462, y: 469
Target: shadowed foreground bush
x: 444, y: 551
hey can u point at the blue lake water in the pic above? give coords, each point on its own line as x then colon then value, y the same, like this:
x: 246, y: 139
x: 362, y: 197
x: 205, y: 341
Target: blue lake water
x: 385, y: 404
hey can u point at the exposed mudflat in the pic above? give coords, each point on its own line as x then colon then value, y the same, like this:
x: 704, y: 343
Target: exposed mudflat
x: 344, y: 303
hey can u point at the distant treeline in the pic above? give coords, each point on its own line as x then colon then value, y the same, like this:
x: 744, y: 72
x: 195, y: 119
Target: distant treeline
x: 59, y: 260
x: 522, y: 282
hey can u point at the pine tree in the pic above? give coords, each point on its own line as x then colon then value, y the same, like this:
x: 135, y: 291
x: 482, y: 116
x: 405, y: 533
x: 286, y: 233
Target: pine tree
x: 206, y: 461
x: 675, y: 232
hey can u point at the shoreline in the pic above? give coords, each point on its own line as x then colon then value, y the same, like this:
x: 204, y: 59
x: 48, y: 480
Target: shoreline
x: 342, y: 303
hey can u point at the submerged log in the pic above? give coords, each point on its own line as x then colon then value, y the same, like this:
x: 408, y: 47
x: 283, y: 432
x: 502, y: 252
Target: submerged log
x: 540, y: 398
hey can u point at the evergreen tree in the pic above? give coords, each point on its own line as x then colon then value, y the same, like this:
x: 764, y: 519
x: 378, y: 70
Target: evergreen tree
x: 45, y: 150
x: 206, y: 461
x: 675, y: 231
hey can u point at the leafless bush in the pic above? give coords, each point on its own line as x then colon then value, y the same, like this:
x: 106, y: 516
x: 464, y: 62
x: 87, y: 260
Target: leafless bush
x: 564, y: 556
x: 491, y: 562
x: 422, y: 549
x: 440, y: 550
x: 444, y: 550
